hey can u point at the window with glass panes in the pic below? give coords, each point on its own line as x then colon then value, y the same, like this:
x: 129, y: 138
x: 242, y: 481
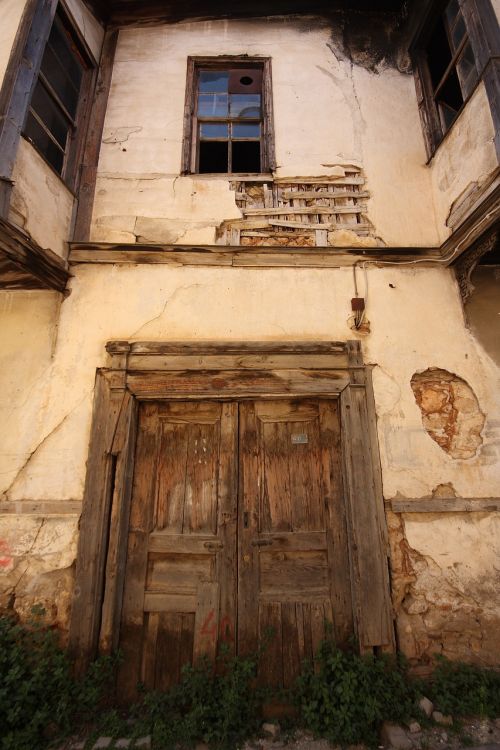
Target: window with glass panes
x: 451, y: 64
x: 229, y: 120
x: 52, y: 116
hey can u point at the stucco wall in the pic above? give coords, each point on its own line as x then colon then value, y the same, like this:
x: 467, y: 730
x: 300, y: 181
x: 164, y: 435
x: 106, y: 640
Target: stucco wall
x: 465, y: 159
x: 435, y: 578
x: 327, y: 111
x: 11, y: 12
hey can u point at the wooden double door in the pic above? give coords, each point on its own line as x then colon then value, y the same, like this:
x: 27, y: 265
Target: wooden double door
x: 237, y: 536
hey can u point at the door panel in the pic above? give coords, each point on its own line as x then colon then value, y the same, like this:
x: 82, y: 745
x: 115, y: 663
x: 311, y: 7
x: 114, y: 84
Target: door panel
x: 179, y: 580
x: 293, y: 559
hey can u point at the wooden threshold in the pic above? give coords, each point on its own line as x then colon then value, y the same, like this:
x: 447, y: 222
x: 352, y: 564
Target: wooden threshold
x: 241, y: 257
x: 26, y: 265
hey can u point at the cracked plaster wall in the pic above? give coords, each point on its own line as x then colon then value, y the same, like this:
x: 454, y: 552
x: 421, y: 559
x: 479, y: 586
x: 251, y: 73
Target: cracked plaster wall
x: 327, y: 111
x: 464, y: 160
x: 47, y: 390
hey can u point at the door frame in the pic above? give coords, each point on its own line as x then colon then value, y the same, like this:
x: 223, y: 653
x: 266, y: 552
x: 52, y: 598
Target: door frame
x: 141, y: 371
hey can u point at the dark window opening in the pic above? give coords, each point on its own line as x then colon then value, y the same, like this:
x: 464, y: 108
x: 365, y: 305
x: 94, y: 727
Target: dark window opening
x: 451, y: 65
x: 52, y: 116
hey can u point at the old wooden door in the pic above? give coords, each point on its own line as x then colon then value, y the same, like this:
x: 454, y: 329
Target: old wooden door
x: 180, y: 580
x: 293, y: 558
x: 187, y: 584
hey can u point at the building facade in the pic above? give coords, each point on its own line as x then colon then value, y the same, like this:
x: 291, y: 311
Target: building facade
x: 249, y: 298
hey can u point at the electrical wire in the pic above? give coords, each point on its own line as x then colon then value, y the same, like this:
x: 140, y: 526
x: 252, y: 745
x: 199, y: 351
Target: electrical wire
x: 360, y: 315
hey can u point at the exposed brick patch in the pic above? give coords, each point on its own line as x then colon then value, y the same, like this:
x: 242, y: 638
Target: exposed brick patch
x: 450, y: 411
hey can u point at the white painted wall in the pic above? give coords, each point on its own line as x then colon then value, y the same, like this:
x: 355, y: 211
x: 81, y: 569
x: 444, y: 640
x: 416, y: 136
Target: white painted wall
x: 327, y: 111
x: 11, y: 12
x: 465, y: 159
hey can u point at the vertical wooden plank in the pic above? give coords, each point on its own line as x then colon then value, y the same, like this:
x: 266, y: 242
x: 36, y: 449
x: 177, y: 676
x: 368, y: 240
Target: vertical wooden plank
x: 270, y: 671
x: 206, y: 624
x: 172, y: 467
x: 124, y: 448
x: 305, y: 477
x: 148, y: 667
x: 367, y: 544
x: 94, y: 523
x: 227, y: 562
x: 187, y: 162
x: 187, y: 640
x: 337, y: 539
x: 274, y: 475
x: 317, y: 627
x: 88, y: 175
x: 168, y: 667
x: 200, y: 507
x: 291, y: 646
x: 248, y: 589
x: 140, y: 526
x: 269, y: 160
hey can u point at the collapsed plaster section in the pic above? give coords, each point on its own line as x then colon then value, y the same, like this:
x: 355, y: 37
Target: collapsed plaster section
x: 450, y: 411
x: 437, y: 611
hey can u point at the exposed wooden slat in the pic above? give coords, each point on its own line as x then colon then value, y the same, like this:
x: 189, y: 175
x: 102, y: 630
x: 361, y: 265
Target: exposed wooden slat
x: 446, y: 505
x: 355, y: 227
x: 315, y: 195
x: 321, y: 179
x: 309, y: 210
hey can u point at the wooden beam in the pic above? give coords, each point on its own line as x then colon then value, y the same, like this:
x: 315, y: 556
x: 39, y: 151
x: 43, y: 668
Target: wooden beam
x: 198, y: 348
x: 88, y: 174
x: 19, y: 82
x: 41, y: 508
x: 26, y: 265
x: 237, y: 256
x: 445, y: 505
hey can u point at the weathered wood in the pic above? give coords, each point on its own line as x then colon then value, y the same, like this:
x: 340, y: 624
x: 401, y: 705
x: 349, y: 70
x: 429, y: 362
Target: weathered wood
x: 269, y: 160
x: 207, y: 611
x: 123, y: 448
x: 235, y: 383
x: 262, y: 257
x: 41, y: 508
x: 221, y: 348
x: 25, y: 265
x: 445, y: 505
x: 368, y: 550
x: 21, y: 77
x: 88, y: 174
x: 94, y: 524
x: 309, y: 210
x: 145, y: 362
x: 187, y: 164
x: 319, y: 194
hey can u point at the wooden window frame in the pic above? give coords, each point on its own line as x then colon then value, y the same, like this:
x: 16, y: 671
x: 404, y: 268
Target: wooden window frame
x: 478, y: 16
x: 142, y: 371
x: 190, y: 141
x: 78, y: 125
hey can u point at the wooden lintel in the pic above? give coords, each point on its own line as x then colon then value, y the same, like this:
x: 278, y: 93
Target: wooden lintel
x: 445, y: 505
x: 233, y: 347
x: 242, y: 257
x: 25, y: 265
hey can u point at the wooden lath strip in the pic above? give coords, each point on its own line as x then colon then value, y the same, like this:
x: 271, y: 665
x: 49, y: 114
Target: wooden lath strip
x: 311, y: 210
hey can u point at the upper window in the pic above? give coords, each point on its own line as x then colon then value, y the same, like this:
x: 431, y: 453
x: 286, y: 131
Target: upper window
x: 228, y: 118
x: 54, y: 112
x: 451, y: 64
x: 447, y: 72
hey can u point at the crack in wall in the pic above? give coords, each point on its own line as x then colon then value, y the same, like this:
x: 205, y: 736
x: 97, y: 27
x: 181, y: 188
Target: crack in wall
x: 168, y: 301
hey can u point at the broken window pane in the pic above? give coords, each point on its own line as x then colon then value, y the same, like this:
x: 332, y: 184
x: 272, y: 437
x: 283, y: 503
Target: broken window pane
x: 44, y: 143
x: 246, y: 156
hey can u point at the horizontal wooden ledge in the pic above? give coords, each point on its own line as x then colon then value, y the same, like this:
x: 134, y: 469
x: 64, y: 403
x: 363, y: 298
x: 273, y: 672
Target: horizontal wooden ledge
x: 41, y: 507
x: 164, y: 348
x: 446, y: 505
x: 242, y: 256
